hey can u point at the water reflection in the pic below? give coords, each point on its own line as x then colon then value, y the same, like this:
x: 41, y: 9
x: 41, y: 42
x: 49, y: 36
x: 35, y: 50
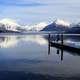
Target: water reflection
x: 36, y: 39
x: 6, y: 42
x: 57, y: 39
x: 34, y: 54
x: 10, y: 41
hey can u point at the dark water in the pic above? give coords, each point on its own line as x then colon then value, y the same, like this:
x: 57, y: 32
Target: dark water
x: 26, y: 57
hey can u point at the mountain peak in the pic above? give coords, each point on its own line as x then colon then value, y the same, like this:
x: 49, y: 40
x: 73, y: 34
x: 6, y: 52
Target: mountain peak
x: 9, y: 22
x: 62, y: 22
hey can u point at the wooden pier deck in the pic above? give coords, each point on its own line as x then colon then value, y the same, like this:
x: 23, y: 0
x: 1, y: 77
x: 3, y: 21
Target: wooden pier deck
x: 62, y: 45
x: 65, y: 47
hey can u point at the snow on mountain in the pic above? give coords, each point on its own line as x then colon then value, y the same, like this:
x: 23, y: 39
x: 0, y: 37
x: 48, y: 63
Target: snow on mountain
x: 62, y: 22
x: 37, y: 27
x: 11, y: 25
x: 8, y: 25
x: 57, y: 25
x: 9, y: 22
x: 40, y: 26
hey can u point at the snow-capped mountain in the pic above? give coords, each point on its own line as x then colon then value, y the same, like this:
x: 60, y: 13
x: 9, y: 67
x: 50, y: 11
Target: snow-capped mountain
x: 10, y: 22
x: 10, y: 25
x: 57, y: 25
x: 36, y: 27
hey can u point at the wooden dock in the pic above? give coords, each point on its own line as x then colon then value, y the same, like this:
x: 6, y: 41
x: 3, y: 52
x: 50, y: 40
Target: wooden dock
x: 62, y: 46
x: 65, y: 47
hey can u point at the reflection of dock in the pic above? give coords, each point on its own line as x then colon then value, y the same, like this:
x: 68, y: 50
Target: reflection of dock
x: 61, y: 46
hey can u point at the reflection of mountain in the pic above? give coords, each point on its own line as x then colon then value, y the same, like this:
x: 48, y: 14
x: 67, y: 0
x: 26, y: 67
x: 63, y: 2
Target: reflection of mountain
x: 9, y: 41
x: 35, y: 39
x: 6, y: 42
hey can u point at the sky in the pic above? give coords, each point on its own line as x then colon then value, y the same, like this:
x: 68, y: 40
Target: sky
x: 27, y: 12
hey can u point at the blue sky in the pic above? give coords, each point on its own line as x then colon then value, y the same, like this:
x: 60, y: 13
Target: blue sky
x: 34, y: 11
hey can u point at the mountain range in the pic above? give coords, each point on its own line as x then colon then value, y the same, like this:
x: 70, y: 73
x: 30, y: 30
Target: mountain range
x: 8, y: 25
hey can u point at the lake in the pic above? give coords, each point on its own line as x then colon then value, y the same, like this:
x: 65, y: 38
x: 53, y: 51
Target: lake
x: 27, y: 57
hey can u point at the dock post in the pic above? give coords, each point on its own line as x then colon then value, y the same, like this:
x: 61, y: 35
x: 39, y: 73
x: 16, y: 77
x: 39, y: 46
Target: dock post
x: 58, y: 51
x: 61, y: 54
x: 62, y: 42
x: 62, y: 39
x: 58, y: 37
x: 49, y: 44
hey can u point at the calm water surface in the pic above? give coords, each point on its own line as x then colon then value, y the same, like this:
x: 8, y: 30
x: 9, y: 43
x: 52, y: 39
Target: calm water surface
x: 29, y: 54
